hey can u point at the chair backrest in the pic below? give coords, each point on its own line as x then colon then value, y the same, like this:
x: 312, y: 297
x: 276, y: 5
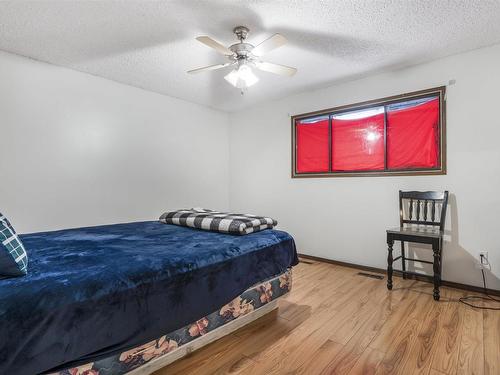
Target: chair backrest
x: 423, y: 207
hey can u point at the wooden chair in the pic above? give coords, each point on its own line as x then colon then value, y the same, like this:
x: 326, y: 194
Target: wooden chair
x: 421, y: 220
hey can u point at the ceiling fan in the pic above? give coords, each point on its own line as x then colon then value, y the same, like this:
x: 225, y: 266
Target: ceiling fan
x: 244, y: 56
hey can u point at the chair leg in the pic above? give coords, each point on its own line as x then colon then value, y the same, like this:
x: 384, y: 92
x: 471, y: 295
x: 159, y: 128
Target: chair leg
x: 441, y: 257
x: 436, y: 249
x: 390, y: 244
x: 403, y: 259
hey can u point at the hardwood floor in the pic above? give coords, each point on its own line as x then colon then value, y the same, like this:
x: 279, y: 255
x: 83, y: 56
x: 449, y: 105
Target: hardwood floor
x: 337, y: 322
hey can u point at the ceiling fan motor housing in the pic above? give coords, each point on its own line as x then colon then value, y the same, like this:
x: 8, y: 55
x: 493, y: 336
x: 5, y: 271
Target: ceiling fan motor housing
x: 242, y: 50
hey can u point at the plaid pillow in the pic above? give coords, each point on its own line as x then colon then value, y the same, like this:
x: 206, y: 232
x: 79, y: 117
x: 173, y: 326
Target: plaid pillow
x: 215, y: 221
x: 13, y: 257
x: 6, y: 221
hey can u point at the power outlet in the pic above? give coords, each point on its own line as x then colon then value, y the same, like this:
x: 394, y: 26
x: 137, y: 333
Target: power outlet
x: 483, y: 259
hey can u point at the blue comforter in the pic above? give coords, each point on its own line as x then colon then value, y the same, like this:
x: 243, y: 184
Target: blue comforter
x: 94, y: 291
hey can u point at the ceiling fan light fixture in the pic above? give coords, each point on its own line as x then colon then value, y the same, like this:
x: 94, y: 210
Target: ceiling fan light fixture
x: 242, y: 77
x: 245, y: 56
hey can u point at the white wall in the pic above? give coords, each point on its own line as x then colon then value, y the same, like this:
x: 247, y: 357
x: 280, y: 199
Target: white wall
x: 80, y: 150
x: 345, y: 218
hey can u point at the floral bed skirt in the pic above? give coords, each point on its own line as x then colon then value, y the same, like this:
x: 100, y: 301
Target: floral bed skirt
x: 250, y: 300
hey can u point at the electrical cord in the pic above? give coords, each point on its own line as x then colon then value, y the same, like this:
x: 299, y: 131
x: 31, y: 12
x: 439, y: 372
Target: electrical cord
x: 465, y: 300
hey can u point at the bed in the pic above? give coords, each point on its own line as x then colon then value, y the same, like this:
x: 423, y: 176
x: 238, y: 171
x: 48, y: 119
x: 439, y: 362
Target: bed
x: 130, y: 298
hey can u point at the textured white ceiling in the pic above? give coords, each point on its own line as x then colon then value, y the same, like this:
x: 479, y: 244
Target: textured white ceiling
x: 151, y: 44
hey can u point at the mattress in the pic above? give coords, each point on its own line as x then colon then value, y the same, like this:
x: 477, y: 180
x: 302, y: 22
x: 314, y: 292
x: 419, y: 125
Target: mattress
x: 93, y: 292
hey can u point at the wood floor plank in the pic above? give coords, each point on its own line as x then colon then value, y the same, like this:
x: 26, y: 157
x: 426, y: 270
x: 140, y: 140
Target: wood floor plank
x: 367, y: 363
x: 319, y: 361
x: 491, y: 330
x: 373, y: 319
x: 254, y: 343
x: 234, y: 367
x: 421, y: 352
x: 471, y: 344
x: 445, y: 358
x: 398, y: 349
x: 335, y: 321
x: 393, y: 324
x: 435, y: 372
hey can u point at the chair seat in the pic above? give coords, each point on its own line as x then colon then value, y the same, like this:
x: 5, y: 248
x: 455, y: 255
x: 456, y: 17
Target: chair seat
x: 420, y: 231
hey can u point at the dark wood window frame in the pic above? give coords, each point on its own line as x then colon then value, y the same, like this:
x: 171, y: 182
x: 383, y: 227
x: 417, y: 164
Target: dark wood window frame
x: 440, y: 92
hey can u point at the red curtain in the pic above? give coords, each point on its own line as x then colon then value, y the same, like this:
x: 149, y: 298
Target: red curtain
x: 413, y: 136
x: 312, y: 146
x: 358, y: 144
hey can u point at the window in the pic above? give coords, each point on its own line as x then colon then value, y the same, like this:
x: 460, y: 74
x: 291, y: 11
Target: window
x: 401, y: 135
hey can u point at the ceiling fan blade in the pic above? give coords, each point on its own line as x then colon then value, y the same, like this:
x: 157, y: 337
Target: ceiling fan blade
x: 277, y: 40
x: 276, y: 68
x: 210, y: 67
x: 215, y: 45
